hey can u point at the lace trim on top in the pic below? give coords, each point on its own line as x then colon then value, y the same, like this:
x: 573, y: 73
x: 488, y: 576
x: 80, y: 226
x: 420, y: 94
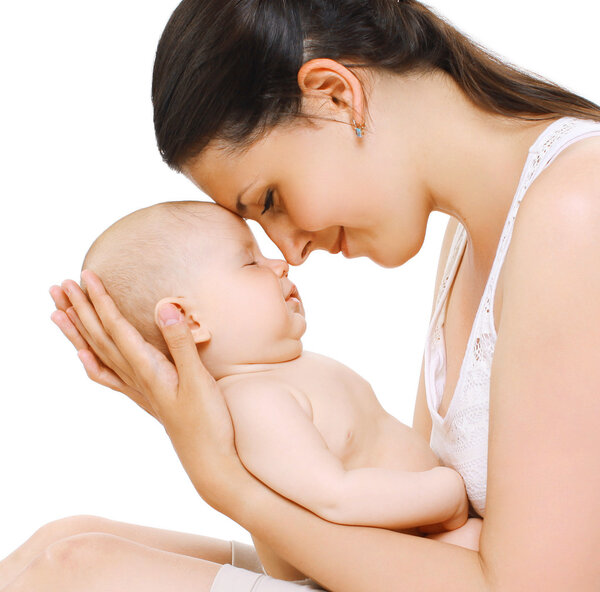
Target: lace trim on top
x: 460, y: 439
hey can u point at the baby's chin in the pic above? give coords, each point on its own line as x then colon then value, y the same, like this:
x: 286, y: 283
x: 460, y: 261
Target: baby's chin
x: 284, y: 352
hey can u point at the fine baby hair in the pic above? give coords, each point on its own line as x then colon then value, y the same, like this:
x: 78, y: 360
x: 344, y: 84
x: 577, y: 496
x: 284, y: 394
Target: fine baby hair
x: 227, y: 70
x: 141, y: 258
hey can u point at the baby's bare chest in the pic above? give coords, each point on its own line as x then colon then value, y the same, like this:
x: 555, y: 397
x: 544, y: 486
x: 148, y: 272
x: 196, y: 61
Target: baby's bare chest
x: 352, y: 422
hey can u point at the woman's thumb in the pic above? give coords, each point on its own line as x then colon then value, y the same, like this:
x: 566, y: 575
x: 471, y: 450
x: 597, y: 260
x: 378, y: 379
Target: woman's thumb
x: 179, y: 339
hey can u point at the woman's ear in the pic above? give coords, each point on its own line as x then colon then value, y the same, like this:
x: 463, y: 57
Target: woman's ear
x: 334, y: 87
x: 200, y: 332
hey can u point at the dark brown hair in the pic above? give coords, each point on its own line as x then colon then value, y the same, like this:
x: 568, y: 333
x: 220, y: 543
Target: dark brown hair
x: 227, y: 69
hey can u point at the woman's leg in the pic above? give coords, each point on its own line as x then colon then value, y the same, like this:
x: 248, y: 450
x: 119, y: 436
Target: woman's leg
x: 213, y: 550
x: 105, y: 563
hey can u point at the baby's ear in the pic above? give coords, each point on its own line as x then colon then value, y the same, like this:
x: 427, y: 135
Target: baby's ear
x: 200, y: 332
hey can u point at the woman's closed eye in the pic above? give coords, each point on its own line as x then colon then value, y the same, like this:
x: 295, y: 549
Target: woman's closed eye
x: 268, y: 201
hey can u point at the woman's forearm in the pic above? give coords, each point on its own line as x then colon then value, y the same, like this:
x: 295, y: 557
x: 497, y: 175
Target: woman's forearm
x: 352, y: 558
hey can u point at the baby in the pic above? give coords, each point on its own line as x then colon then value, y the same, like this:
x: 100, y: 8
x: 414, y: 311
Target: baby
x: 305, y: 425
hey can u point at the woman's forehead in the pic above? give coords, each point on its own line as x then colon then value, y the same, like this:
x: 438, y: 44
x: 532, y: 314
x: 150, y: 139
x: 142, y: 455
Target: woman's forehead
x: 223, y: 178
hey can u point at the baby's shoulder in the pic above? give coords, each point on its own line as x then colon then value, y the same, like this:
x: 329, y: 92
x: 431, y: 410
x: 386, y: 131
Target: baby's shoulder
x: 262, y: 389
x: 252, y: 382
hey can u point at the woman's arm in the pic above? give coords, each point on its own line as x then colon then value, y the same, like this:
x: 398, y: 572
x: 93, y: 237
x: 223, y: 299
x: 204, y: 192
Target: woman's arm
x: 352, y: 558
x: 542, y: 525
x: 273, y: 564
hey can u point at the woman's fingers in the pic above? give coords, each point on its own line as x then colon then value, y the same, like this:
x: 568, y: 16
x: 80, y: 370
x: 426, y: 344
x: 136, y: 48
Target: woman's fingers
x: 182, y: 347
x: 60, y: 298
x: 62, y: 321
x: 76, y: 321
x: 87, y: 321
x: 195, y: 416
x: 130, y: 344
x: 106, y: 377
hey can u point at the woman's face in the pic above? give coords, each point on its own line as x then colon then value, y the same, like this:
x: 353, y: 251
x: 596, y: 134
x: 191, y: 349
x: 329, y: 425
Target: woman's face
x: 321, y: 187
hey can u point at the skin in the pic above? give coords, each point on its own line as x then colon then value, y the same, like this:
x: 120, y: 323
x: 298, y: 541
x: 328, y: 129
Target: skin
x: 432, y: 150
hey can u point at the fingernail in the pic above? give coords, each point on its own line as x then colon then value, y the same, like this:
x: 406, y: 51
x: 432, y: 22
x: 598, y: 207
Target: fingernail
x: 168, y: 315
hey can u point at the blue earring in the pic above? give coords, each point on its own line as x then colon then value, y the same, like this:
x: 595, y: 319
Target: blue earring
x: 358, y: 129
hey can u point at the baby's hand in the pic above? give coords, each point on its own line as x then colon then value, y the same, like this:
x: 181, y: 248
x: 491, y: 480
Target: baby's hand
x: 466, y: 536
x: 459, y: 518
x: 455, y: 487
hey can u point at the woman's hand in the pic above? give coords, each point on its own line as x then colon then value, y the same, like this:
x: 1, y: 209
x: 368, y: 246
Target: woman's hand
x: 184, y: 397
x: 98, y: 357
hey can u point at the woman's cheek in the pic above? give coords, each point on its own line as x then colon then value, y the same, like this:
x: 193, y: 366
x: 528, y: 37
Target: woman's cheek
x: 311, y: 213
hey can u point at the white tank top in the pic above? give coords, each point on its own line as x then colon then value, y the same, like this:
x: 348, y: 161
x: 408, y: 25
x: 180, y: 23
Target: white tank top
x: 460, y: 439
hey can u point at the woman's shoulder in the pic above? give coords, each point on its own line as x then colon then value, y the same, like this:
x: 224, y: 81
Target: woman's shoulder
x: 556, y: 237
x: 565, y: 196
x: 575, y: 172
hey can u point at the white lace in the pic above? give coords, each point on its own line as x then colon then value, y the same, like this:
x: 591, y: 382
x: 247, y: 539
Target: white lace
x: 460, y: 439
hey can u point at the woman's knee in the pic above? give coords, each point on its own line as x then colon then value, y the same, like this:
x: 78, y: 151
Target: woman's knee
x: 70, y: 526
x: 77, y: 554
x: 68, y: 565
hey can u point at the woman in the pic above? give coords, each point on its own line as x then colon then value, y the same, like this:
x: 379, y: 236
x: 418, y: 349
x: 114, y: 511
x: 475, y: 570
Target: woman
x: 342, y: 125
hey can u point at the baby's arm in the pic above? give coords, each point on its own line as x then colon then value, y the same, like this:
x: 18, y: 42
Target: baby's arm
x: 466, y: 536
x: 278, y: 442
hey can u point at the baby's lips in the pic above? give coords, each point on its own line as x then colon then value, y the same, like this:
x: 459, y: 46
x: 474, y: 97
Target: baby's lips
x: 293, y: 293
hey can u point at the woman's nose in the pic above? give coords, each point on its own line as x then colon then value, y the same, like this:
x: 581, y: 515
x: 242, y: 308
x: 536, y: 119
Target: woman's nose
x: 292, y: 242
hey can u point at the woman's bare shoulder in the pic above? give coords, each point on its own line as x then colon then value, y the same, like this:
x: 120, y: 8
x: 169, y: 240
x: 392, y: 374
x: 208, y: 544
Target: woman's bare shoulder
x: 575, y: 171
x: 565, y: 199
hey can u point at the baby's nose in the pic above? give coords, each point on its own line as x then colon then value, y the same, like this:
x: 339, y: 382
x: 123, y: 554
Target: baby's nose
x: 280, y: 267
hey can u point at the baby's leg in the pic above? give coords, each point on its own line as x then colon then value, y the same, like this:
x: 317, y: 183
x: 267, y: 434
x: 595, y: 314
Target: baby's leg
x: 214, y: 550
x: 103, y: 562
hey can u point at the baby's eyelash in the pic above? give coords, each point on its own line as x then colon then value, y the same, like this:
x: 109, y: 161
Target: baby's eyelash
x: 268, y: 201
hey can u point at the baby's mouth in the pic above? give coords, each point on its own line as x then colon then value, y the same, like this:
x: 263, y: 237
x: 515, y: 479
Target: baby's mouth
x: 293, y: 293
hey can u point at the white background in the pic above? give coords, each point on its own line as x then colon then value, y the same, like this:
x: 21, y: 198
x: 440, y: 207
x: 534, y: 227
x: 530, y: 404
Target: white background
x: 78, y: 152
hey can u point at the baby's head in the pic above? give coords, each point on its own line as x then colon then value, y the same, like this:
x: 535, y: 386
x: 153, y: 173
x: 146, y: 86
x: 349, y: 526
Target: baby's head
x: 241, y: 307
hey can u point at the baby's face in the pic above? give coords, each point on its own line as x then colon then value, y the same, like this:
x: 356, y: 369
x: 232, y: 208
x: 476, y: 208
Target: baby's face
x: 246, y: 302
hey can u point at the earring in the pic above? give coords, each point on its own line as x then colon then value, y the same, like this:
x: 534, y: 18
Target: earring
x: 359, y: 129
